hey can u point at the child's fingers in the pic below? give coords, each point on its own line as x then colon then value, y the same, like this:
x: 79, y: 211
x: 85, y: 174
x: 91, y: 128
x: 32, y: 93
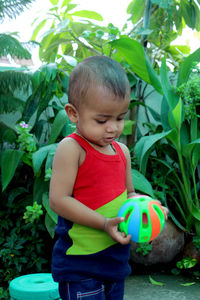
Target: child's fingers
x: 112, y: 222
x: 112, y: 229
x: 165, y: 209
x: 123, y: 239
x: 166, y: 212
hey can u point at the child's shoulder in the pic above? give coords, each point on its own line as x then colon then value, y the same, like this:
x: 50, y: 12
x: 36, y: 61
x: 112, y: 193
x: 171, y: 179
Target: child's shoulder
x: 68, y: 141
x: 68, y: 147
x: 124, y: 148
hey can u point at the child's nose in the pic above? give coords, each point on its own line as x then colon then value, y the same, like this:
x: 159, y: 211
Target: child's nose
x: 111, y: 126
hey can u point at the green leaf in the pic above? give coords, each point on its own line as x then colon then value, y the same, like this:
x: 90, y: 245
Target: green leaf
x: 47, y: 37
x: 195, y: 211
x: 175, y: 271
x: 70, y: 60
x: 57, y: 126
x: 154, y: 80
x: 54, y: 2
x: 187, y: 149
x: 154, y: 113
x: 172, y: 99
x: 62, y: 26
x: 10, y: 104
x: 173, y: 136
x: 189, y: 13
x: 39, y: 188
x: 136, y: 9
x: 66, y: 3
x: 37, y: 78
x: 14, y: 193
x: 44, y: 101
x: 9, y: 161
x: 154, y: 282
x: 13, y: 9
x: 169, y: 93
x: 50, y: 225
x: 196, y: 156
x: 186, y: 263
x: 69, y: 6
x: 134, y: 54
x: 177, y: 50
x: 188, y: 284
x: 88, y: 14
x: 50, y: 71
x: 128, y: 127
x: 49, y: 160
x: 144, y: 147
x: 51, y: 213
x: 187, y: 65
x: 141, y: 183
x: 38, y: 28
x: 40, y: 155
x: 176, y: 222
x: 178, y: 114
x: 11, y: 46
x: 32, y: 104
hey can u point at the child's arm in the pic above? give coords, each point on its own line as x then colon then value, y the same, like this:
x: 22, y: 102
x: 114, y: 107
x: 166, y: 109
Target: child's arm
x: 64, y: 171
x: 129, y: 181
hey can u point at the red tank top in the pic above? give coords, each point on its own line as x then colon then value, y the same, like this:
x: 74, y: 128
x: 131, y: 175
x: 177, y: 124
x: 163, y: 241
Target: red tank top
x: 101, y: 178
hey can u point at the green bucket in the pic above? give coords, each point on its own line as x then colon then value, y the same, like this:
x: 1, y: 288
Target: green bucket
x: 34, y: 287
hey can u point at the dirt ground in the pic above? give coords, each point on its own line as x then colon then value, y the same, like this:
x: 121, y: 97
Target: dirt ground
x: 171, y: 287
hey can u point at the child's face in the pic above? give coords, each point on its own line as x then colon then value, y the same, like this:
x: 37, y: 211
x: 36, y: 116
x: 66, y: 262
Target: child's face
x: 101, y: 118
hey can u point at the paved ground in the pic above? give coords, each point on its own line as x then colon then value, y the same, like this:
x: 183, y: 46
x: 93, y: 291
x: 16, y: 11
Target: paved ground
x: 139, y: 287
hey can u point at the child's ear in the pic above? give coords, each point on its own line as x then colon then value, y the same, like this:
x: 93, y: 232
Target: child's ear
x: 71, y: 112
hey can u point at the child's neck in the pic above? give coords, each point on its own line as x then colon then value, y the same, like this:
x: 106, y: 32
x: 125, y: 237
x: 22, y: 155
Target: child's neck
x: 108, y: 149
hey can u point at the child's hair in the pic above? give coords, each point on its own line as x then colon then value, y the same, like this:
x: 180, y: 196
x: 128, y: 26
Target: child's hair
x: 97, y: 70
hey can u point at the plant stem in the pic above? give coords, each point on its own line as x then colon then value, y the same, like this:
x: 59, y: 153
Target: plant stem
x: 185, y: 181
x: 193, y: 129
x: 195, y: 187
x: 83, y: 44
x: 146, y: 21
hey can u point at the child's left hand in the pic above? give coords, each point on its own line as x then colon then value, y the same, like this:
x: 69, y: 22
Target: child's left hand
x: 111, y: 227
x: 165, y: 210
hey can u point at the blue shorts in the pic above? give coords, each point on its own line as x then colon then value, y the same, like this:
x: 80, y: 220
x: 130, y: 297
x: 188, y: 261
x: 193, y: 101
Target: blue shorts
x: 91, y: 289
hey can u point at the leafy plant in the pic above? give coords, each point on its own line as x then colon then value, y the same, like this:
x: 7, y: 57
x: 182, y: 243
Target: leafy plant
x: 33, y: 213
x: 186, y: 263
x: 9, y: 44
x: 26, y: 142
x: 11, y: 10
x: 144, y: 248
x: 18, y: 50
x: 182, y: 136
x: 27, y: 158
x: 190, y: 93
x: 68, y: 30
x: 20, y: 241
x: 189, y: 266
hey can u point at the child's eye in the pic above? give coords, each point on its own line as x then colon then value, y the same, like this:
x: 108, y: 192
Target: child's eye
x: 101, y: 121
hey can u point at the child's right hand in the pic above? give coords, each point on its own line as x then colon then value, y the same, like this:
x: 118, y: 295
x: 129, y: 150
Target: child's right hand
x: 111, y: 227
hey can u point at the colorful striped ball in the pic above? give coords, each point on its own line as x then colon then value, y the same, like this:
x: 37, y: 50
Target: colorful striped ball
x: 144, y: 218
